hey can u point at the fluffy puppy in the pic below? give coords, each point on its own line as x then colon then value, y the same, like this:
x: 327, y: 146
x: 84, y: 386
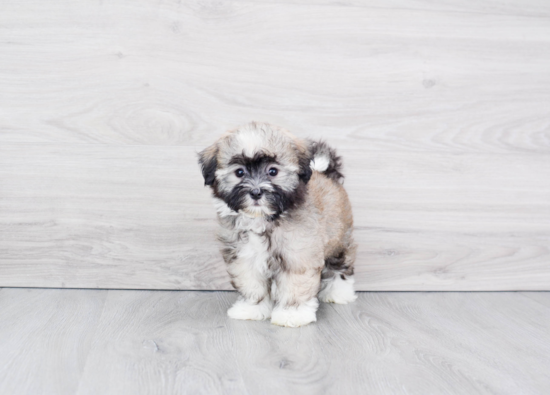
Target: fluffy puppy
x: 285, y: 223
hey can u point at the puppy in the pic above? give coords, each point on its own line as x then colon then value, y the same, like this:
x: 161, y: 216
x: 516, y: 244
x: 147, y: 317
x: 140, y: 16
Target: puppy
x: 285, y: 223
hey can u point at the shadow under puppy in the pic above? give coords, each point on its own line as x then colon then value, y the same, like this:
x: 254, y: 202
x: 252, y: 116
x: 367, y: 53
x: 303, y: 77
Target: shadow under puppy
x: 285, y: 223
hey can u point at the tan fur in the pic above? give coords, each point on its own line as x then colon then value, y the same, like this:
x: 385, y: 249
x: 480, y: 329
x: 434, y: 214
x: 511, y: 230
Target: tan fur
x: 331, y: 200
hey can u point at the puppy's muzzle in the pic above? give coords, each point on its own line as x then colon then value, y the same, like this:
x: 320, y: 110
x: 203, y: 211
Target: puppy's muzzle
x: 256, y: 194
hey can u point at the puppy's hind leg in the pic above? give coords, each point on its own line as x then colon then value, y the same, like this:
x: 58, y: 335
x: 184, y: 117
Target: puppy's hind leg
x: 338, y: 289
x: 337, y: 280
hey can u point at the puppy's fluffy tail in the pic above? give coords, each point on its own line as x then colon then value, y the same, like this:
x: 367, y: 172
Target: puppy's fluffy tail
x: 324, y: 160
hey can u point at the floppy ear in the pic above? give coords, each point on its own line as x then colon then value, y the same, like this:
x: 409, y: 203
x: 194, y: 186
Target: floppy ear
x: 304, y: 161
x: 209, y: 164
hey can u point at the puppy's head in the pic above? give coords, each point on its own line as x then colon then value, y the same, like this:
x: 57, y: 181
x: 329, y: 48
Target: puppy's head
x: 258, y: 169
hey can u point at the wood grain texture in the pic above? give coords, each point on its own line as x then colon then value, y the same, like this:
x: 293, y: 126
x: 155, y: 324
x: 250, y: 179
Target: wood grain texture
x: 45, y: 339
x: 131, y: 217
x: 439, y: 109
x: 171, y: 73
x: 162, y: 342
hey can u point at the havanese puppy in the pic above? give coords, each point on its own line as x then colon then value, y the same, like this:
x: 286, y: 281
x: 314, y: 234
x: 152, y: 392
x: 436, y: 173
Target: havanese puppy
x: 285, y: 223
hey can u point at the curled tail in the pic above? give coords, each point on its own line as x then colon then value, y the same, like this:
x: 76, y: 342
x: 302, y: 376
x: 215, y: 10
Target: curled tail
x: 324, y: 160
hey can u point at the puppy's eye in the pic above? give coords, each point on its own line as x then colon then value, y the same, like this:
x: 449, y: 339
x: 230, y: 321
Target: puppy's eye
x: 239, y: 173
x: 273, y: 172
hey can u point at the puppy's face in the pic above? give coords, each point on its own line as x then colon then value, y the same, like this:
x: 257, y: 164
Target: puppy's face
x: 257, y: 169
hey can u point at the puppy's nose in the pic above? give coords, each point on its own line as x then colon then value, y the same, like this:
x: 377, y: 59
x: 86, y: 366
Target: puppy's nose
x: 256, y: 194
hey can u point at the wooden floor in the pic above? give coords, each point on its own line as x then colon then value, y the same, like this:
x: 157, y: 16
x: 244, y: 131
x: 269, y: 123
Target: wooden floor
x: 60, y: 341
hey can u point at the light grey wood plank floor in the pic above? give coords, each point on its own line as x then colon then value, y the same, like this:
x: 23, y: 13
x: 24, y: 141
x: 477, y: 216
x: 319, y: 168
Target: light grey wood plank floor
x: 439, y: 109
x: 163, y: 342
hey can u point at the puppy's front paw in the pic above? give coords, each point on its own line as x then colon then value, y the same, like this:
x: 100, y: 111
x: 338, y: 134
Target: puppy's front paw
x: 294, y: 317
x: 246, y: 310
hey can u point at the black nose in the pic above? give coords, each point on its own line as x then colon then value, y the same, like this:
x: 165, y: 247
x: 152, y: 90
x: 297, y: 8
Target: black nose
x: 256, y: 194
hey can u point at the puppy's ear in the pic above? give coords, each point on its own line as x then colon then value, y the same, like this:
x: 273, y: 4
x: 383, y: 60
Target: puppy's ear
x: 304, y: 161
x: 209, y: 164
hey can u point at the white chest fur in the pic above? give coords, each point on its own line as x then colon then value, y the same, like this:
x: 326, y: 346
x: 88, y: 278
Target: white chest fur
x: 255, y: 252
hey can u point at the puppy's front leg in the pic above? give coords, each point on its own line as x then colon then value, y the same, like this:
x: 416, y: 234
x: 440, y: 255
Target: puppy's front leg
x: 295, y: 295
x: 249, y: 277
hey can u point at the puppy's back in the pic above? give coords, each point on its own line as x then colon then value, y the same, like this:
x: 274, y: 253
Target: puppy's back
x: 328, y: 196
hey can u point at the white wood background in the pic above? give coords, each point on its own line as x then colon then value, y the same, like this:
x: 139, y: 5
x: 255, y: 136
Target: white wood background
x: 440, y: 109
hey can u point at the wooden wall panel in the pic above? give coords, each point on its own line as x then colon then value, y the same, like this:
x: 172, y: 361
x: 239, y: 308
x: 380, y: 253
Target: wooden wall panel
x: 441, y: 112
x: 106, y: 216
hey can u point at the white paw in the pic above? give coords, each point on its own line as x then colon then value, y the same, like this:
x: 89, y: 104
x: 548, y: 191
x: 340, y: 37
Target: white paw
x: 295, y: 316
x: 245, y: 310
x: 338, y: 291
